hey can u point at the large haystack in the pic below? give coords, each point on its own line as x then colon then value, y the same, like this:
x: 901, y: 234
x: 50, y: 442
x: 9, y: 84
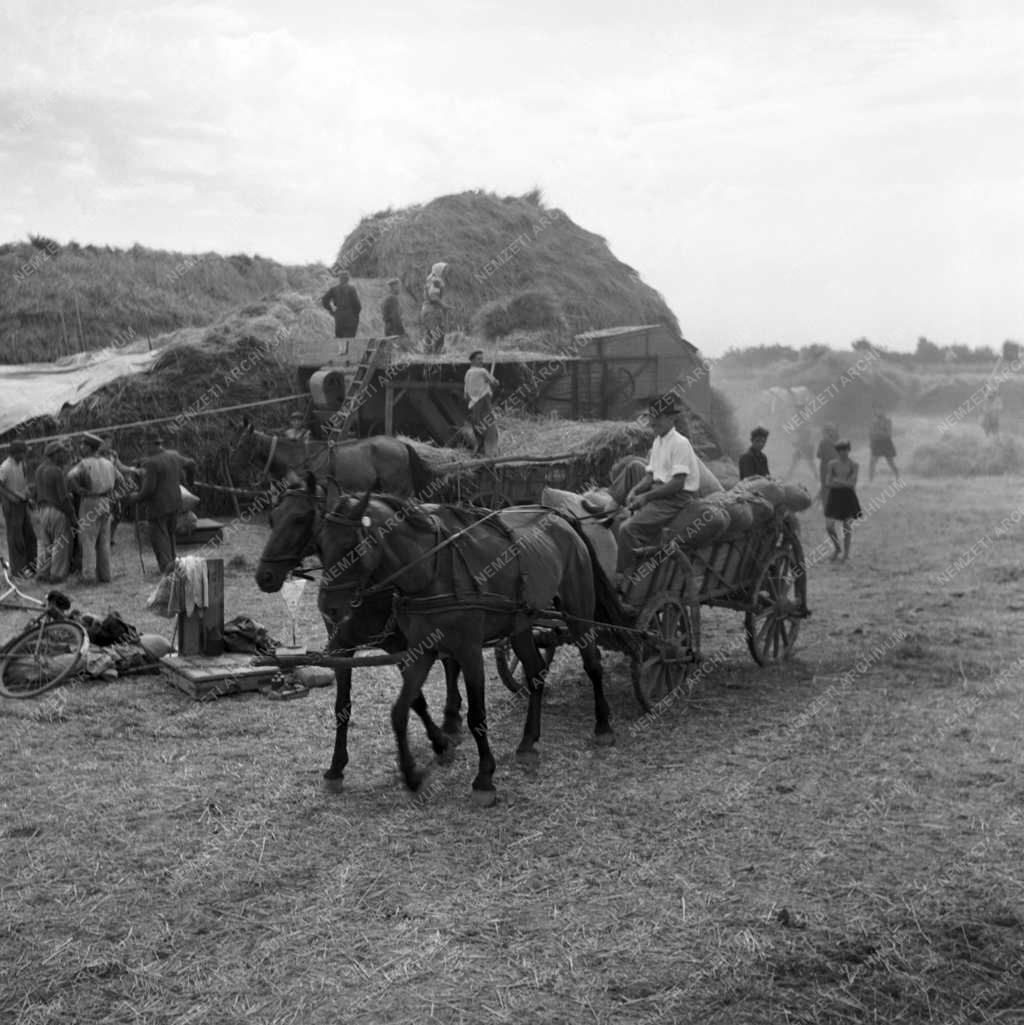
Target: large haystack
x: 58, y: 299
x: 497, y: 248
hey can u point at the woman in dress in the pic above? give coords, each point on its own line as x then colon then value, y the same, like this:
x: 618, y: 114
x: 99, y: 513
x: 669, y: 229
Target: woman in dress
x: 841, y: 502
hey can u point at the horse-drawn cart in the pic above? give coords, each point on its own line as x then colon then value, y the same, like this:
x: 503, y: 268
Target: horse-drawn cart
x: 657, y: 623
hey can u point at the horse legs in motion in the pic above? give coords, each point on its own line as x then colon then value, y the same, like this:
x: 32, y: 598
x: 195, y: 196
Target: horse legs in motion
x: 534, y: 669
x: 442, y: 739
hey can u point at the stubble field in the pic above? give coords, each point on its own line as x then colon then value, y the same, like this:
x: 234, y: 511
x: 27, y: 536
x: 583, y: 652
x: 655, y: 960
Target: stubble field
x: 835, y: 840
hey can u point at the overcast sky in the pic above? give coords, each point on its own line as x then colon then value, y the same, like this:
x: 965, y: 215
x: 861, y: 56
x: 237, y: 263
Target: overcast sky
x: 814, y: 173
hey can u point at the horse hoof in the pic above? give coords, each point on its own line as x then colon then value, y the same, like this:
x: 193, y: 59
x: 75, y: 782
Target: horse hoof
x: 604, y: 739
x: 484, y: 798
x: 334, y: 784
x: 447, y: 756
x: 528, y: 760
x: 416, y: 780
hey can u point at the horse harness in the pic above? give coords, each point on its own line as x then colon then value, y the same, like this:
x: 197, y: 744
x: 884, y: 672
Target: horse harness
x: 472, y: 597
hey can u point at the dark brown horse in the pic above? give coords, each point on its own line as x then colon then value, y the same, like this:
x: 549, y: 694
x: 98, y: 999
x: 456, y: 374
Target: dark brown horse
x: 463, y: 578
x: 295, y: 520
x: 381, y: 463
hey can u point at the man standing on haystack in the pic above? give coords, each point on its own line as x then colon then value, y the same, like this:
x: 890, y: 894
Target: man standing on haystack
x: 94, y: 478
x: 432, y: 312
x: 478, y: 387
x: 671, y: 481
x: 391, y: 311
x: 162, y: 471
x: 55, y: 516
x: 341, y: 301
x: 21, y: 538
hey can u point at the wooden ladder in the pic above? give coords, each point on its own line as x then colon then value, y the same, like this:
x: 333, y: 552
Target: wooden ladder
x: 375, y: 350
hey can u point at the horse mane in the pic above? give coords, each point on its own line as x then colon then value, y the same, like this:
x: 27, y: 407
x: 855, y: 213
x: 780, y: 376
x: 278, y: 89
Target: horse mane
x: 421, y: 474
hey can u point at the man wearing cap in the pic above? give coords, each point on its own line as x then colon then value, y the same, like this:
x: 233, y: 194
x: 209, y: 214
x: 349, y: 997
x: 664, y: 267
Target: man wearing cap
x: 295, y: 430
x: 162, y: 472
x: 672, y: 479
x: 753, y: 462
x: 391, y: 311
x: 21, y: 538
x: 94, y: 478
x: 55, y: 515
x: 341, y: 301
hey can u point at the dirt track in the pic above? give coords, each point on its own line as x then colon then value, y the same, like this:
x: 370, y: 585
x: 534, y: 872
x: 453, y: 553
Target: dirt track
x: 837, y: 840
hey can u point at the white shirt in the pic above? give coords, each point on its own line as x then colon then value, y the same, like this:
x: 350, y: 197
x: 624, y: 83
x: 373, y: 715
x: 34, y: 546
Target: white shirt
x: 12, y: 476
x: 477, y: 384
x: 673, y: 454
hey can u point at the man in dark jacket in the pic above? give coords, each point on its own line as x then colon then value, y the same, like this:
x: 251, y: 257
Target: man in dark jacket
x: 392, y: 312
x: 162, y: 472
x: 341, y: 301
x: 753, y: 462
x: 55, y: 516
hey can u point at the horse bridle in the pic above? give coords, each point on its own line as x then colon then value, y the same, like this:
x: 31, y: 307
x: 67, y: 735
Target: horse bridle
x: 318, y: 501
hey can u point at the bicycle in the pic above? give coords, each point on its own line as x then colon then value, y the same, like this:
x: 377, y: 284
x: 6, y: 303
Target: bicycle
x: 48, y: 651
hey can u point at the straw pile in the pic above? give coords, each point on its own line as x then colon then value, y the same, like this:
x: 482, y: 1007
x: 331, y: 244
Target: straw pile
x: 58, y: 299
x: 498, y: 248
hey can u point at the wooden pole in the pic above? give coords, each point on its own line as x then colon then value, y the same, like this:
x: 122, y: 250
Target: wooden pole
x: 64, y: 330
x: 231, y: 484
x: 389, y: 408
x: 78, y: 314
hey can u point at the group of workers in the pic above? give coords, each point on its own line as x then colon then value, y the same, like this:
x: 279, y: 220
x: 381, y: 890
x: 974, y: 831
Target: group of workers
x: 837, y: 472
x: 342, y: 302
x: 59, y: 518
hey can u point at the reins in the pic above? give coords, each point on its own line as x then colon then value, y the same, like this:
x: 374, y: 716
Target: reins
x: 382, y: 585
x: 270, y: 454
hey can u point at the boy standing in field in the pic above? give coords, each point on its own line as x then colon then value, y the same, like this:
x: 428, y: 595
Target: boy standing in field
x: 753, y: 462
x: 880, y: 436
x: 841, y: 503
x: 826, y: 453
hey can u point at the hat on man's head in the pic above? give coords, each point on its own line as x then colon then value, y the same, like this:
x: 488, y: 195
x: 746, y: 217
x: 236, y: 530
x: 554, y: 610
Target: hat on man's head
x: 759, y: 432
x: 92, y: 441
x: 18, y: 447
x: 664, y: 405
x: 295, y: 416
x: 842, y: 444
x: 53, y: 448
x: 393, y: 281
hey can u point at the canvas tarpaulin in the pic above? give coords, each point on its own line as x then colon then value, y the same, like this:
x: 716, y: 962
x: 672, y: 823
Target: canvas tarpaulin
x: 28, y: 390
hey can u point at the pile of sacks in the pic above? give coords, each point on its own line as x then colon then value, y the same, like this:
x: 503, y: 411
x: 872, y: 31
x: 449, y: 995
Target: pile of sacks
x: 724, y: 515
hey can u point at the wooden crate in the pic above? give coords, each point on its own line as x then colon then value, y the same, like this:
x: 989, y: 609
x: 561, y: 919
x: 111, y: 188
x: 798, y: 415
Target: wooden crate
x: 205, y: 677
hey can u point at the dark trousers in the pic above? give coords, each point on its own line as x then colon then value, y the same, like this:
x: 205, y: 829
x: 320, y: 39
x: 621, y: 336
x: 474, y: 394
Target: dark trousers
x: 21, y: 538
x: 161, y: 537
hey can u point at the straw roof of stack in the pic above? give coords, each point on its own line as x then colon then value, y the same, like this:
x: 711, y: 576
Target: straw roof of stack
x: 497, y: 248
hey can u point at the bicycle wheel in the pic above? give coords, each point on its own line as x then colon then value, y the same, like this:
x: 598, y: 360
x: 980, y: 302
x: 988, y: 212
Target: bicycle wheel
x: 42, y: 658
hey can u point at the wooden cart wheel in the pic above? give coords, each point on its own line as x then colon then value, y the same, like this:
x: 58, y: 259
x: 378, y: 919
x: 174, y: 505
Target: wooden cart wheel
x: 510, y: 668
x: 780, y: 601
x: 666, y: 651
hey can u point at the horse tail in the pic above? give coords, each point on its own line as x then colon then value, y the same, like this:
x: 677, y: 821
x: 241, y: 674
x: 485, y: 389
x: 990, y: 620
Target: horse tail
x: 420, y: 474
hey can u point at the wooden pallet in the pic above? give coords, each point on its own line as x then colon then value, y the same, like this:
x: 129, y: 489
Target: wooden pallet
x: 205, y: 677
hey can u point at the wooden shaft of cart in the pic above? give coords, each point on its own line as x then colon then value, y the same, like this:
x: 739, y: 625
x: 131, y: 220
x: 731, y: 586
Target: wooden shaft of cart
x: 322, y: 658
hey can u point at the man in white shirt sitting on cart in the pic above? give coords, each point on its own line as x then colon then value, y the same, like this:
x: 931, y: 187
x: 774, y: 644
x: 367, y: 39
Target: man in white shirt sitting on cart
x: 671, y: 481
